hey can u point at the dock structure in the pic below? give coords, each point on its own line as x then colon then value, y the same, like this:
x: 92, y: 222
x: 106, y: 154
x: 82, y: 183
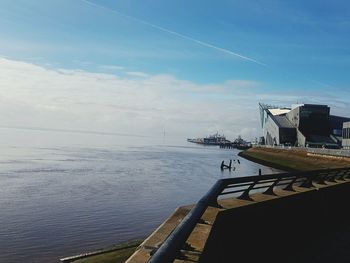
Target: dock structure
x: 228, y: 145
x: 286, y: 217
x: 232, y: 145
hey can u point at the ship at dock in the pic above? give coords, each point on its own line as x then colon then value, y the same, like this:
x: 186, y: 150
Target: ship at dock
x: 215, y: 139
x: 220, y: 140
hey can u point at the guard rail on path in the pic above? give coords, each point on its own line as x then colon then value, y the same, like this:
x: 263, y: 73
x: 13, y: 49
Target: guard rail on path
x: 241, y: 187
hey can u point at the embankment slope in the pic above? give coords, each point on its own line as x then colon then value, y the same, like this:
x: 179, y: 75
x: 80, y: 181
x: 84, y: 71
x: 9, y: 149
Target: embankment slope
x: 292, y: 160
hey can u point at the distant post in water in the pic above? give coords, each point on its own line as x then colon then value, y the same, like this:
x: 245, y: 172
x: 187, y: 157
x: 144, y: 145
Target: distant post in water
x: 259, y: 171
x: 225, y: 166
x: 222, y: 165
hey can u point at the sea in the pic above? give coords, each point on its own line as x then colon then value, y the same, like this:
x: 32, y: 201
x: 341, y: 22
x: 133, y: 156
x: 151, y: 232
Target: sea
x: 64, y: 193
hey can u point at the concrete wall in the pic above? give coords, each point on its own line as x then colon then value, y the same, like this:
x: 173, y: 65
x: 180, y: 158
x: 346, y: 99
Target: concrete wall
x: 293, y: 116
x: 301, y: 139
x: 271, y: 131
x: 331, y: 152
x: 312, y: 226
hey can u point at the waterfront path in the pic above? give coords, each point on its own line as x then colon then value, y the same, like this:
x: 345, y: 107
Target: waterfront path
x: 293, y: 226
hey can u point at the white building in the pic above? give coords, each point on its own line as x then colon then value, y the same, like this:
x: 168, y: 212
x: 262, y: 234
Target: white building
x: 302, y: 125
x: 346, y: 135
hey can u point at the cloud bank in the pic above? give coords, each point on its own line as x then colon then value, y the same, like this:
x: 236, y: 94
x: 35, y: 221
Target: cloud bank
x: 133, y: 103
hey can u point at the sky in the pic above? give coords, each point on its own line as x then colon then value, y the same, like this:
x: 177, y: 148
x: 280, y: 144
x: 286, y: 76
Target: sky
x: 181, y: 68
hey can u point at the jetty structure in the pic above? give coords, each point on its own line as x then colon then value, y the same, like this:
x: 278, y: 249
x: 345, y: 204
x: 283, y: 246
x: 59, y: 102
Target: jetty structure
x: 222, y: 142
x: 215, y: 139
x: 305, y: 125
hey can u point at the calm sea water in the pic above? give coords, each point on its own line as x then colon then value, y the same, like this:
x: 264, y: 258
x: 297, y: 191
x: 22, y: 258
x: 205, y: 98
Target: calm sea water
x: 63, y: 194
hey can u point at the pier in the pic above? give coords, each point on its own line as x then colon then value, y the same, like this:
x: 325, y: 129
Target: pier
x: 289, y: 217
x: 233, y: 145
x: 229, y: 145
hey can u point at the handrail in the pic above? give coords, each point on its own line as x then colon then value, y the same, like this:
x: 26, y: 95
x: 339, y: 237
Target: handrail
x: 168, y: 251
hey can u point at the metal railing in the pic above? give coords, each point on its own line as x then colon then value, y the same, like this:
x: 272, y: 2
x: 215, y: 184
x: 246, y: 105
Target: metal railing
x: 241, y: 187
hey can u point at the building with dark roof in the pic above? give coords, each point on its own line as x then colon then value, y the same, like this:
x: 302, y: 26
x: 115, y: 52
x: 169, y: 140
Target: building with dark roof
x: 301, y: 125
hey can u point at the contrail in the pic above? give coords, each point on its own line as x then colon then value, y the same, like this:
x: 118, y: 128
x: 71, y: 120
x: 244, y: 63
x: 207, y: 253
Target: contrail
x: 176, y: 33
x: 321, y: 83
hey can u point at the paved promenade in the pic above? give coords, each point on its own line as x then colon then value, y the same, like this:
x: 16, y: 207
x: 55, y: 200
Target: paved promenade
x: 305, y: 225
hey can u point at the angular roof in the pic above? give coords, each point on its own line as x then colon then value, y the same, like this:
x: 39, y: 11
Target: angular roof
x: 283, y: 122
x: 279, y: 111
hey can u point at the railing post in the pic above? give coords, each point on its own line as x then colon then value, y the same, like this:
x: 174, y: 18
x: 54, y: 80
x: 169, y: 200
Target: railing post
x: 245, y: 194
x: 307, y: 183
x: 341, y: 175
x: 322, y: 178
x: 289, y: 187
x: 269, y: 190
x: 331, y: 176
x: 347, y: 174
x: 214, y: 202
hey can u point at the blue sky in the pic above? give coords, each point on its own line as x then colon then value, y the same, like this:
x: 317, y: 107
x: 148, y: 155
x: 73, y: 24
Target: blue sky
x: 287, y: 51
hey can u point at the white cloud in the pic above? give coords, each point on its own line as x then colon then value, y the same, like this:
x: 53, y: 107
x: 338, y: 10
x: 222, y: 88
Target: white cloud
x: 137, y: 74
x: 242, y: 83
x: 110, y: 67
x: 33, y: 96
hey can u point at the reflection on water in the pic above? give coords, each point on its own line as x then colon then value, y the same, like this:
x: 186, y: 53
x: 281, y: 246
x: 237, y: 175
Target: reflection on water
x: 62, y: 198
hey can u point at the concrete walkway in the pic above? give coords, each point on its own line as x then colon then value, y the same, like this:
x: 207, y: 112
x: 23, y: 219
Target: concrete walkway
x: 253, y: 230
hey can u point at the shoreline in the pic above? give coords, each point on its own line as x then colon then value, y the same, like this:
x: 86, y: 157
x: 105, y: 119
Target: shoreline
x: 117, y: 254
x: 248, y: 157
x: 293, y: 160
